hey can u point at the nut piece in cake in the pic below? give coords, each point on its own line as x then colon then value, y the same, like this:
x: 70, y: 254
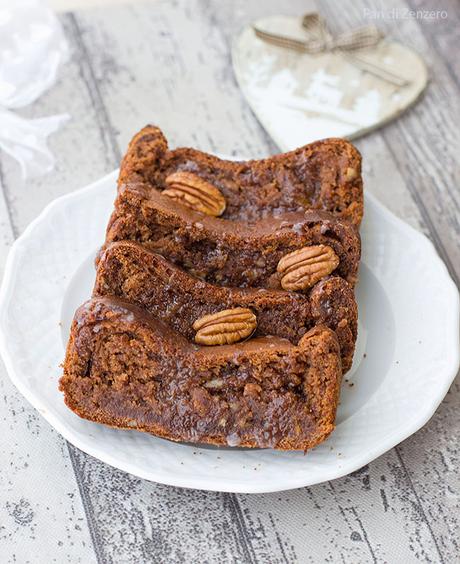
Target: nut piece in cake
x: 305, y: 267
x: 195, y: 193
x: 225, y: 327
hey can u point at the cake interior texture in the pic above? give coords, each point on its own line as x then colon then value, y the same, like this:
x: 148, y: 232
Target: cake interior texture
x: 127, y: 369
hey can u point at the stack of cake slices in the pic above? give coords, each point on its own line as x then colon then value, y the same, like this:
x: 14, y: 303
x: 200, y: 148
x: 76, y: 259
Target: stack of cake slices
x: 223, y: 310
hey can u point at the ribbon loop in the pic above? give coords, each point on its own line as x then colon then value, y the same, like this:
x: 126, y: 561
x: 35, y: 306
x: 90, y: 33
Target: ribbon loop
x: 322, y: 39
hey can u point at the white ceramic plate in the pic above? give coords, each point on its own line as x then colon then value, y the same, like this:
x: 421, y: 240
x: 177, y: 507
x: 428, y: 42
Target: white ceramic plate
x: 406, y: 359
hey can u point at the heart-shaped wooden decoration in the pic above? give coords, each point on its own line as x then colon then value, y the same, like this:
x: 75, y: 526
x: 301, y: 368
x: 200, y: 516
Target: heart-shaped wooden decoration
x: 301, y: 97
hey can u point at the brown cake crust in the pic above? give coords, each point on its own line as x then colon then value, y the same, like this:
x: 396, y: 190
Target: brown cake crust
x: 324, y: 175
x: 130, y: 271
x: 226, y: 252
x: 126, y: 369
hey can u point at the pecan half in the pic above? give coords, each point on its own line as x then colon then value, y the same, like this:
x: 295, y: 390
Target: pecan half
x: 194, y: 192
x: 301, y: 269
x: 225, y: 327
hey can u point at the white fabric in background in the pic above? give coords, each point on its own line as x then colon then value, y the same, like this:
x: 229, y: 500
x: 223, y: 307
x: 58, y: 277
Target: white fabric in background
x: 32, y: 47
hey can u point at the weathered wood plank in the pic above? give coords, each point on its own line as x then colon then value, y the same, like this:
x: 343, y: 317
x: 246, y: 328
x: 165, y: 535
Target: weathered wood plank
x: 139, y: 521
x: 432, y: 459
x: 443, y: 33
x: 41, y: 513
x: 369, y: 516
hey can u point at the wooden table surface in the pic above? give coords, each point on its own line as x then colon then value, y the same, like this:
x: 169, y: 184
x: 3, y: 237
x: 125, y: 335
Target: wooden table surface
x: 169, y: 63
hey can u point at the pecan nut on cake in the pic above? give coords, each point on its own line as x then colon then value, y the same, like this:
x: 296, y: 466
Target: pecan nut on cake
x: 127, y: 369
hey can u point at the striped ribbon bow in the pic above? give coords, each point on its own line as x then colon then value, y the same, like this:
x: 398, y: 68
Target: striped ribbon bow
x: 321, y: 40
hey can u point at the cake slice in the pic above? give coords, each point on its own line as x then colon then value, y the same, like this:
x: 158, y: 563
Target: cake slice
x: 127, y: 369
x: 292, y: 251
x: 130, y: 271
x: 324, y: 175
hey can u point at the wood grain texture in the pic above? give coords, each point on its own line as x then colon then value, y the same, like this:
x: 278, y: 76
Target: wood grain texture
x: 41, y: 513
x: 169, y: 63
x: 442, y: 34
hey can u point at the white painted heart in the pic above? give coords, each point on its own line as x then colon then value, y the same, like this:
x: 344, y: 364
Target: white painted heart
x: 299, y: 97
